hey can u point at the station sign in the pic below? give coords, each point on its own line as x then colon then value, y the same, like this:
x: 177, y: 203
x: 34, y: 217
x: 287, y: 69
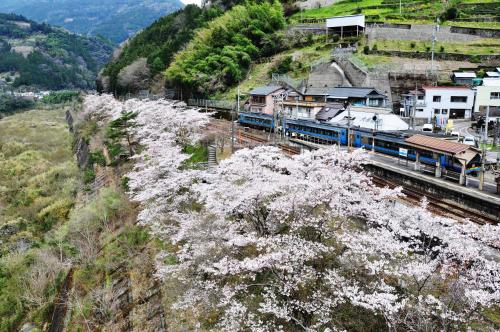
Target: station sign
x: 403, y: 152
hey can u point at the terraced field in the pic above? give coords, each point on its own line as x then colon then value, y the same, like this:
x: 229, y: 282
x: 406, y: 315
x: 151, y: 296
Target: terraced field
x: 469, y: 13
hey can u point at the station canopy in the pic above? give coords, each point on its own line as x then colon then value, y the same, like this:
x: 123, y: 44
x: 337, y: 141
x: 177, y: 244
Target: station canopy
x: 463, y: 152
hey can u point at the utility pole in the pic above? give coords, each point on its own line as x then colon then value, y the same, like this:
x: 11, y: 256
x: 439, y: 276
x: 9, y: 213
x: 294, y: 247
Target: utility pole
x: 348, y: 127
x: 485, y: 141
x: 434, y: 32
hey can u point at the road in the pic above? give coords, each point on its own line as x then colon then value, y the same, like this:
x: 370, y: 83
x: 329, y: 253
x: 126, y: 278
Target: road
x: 464, y: 129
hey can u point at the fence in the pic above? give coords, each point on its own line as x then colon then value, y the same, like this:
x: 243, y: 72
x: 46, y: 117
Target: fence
x: 215, y: 104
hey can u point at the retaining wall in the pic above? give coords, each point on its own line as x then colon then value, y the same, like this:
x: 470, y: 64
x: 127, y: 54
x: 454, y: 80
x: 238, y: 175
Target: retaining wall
x: 485, y: 33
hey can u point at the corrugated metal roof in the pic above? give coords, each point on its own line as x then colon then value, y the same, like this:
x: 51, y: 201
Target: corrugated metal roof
x: 437, y: 144
x: 465, y: 74
x: 265, y: 90
x: 353, y: 92
x: 492, y: 74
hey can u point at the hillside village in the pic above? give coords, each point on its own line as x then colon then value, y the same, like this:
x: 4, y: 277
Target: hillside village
x: 329, y: 165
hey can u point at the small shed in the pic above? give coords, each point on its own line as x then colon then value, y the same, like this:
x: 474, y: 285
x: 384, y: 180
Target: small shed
x: 464, y: 78
x: 349, y: 25
x: 493, y: 74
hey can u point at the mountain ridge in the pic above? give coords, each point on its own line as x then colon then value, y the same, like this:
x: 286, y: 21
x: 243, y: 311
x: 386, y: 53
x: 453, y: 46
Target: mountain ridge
x: 115, y: 20
x: 46, y: 57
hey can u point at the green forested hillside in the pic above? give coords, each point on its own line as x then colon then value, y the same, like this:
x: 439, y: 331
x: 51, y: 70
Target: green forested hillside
x: 220, y: 54
x: 116, y: 20
x: 159, y: 42
x: 42, y: 56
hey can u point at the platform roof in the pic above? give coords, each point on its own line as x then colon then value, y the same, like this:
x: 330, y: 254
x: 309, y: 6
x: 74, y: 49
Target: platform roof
x: 438, y: 145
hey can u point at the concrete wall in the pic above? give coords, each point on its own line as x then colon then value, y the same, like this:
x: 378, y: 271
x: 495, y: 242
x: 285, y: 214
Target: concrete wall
x: 485, y: 33
x: 483, y: 97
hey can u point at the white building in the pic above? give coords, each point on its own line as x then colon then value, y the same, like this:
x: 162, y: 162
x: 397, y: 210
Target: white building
x: 349, y: 25
x: 376, y: 118
x: 440, y: 103
x: 488, y: 94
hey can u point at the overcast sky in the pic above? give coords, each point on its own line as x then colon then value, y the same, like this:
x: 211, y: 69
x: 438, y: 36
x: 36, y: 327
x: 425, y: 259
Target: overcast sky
x: 187, y: 2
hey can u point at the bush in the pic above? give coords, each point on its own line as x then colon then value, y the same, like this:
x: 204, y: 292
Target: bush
x: 88, y: 176
x: 451, y: 13
x: 366, y: 49
x: 97, y: 158
x: 441, y: 49
x: 282, y: 67
x: 427, y: 49
x: 413, y: 44
x: 374, y: 48
x: 59, y: 97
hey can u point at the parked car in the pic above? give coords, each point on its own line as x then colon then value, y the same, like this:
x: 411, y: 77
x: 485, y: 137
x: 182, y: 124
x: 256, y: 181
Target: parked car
x: 427, y: 127
x: 470, y: 140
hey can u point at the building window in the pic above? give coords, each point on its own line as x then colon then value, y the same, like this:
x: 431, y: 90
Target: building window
x: 436, y: 99
x: 437, y: 110
x: 420, y: 109
x: 444, y: 111
x: 458, y: 99
x: 420, y: 97
x: 495, y: 95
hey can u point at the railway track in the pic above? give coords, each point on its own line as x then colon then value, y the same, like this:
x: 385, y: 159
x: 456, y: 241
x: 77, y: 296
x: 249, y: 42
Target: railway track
x: 438, y: 205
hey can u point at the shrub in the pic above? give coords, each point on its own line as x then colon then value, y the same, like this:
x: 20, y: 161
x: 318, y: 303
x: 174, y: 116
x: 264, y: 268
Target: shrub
x: 88, y: 176
x: 441, y: 49
x: 366, y: 49
x: 413, y: 44
x: 427, y: 48
x: 374, y: 48
x: 97, y: 158
x: 451, y: 13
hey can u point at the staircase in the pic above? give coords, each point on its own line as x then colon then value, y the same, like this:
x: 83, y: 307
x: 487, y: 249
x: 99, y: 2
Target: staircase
x: 212, y: 156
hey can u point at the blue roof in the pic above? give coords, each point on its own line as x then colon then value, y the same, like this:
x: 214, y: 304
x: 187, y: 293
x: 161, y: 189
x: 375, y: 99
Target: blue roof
x: 265, y: 90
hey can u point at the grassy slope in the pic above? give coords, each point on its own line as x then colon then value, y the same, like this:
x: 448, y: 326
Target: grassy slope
x: 259, y: 72
x: 414, y: 11
x: 38, y: 180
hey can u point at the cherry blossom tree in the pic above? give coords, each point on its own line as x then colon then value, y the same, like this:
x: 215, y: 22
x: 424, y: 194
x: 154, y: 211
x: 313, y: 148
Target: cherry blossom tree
x: 269, y: 242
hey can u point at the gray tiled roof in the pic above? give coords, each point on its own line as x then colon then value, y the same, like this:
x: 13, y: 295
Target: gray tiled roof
x: 353, y: 92
x: 265, y: 90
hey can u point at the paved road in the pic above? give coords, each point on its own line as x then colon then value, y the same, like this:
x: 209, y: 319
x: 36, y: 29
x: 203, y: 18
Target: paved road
x: 464, y: 129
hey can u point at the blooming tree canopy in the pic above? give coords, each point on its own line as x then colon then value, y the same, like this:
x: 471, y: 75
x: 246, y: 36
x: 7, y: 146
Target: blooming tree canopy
x: 269, y: 242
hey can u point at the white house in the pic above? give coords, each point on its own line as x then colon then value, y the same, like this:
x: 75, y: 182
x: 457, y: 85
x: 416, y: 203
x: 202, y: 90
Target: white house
x: 488, y: 94
x: 441, y: 103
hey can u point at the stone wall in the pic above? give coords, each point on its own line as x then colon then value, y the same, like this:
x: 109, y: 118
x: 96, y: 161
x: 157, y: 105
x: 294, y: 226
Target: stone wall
x: 484, y: 33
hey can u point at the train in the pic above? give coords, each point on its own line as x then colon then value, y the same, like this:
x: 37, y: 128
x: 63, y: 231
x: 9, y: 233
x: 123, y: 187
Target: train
x: 388, y: 143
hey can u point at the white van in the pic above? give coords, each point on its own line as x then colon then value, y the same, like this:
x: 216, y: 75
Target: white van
x: 427, y: 127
